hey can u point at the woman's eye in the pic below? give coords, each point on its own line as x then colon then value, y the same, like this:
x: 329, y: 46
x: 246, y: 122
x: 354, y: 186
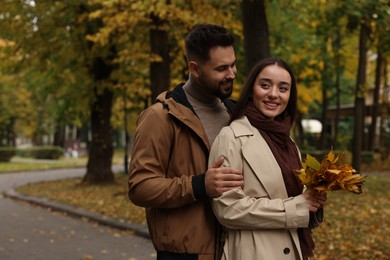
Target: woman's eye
x: 283, y: 89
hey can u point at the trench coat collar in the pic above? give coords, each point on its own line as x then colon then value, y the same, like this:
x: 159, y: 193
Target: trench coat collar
x: 260, y: 158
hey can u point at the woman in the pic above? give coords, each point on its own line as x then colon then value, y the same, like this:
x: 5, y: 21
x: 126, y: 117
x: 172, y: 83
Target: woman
x: 269, y: 217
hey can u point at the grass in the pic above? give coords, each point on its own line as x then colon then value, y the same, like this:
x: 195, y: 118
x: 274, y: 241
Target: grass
x: 18, y: 164
x: 21, y: 164
x: 355, y: 226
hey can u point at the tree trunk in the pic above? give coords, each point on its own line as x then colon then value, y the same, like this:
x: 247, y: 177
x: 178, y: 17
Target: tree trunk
x: 299, y: 128
x: 358, y: 136
x: 59, y: 135
x: 337, y: 116
x: 11, y: 136
x: 256, y: 43
x: 101, y: 146
x: 127, y: 139
x: 375, y: 104
x: 385, y: 109
x: 338, y: 72
x: 159, y: 70
x: 326, y: 82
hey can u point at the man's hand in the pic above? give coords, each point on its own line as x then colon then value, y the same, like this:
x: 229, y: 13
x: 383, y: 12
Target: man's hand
x: 220, y: 179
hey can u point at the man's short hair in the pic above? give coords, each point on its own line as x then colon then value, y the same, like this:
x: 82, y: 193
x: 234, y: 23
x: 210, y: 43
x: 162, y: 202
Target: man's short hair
x: 203, y: 37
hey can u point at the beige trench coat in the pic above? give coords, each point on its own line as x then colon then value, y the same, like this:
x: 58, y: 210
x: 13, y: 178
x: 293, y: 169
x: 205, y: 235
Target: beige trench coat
x: 261, y: 220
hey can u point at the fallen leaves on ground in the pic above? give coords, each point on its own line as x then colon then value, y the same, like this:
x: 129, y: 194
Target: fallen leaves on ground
x: 352, y: 229
x: 356, y: 228
x: 107, y: 199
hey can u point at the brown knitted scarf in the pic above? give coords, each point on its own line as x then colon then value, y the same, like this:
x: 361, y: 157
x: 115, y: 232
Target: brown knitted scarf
x: 277, y: 135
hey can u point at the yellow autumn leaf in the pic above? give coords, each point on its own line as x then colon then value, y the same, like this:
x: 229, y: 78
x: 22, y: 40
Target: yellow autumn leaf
x: 334, y: 171
x: 331, y: 157
x: 312, y: 162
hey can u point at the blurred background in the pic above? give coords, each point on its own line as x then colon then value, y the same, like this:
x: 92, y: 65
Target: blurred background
x: 75, y: 74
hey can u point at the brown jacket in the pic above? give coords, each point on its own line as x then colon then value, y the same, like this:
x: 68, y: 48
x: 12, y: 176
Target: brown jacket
x: 166, y: 176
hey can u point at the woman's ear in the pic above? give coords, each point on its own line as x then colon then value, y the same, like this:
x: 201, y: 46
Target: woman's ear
x: 194, y: 68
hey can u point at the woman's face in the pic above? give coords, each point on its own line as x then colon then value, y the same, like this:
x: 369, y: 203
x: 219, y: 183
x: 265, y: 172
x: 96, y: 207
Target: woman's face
x: 271, y: 91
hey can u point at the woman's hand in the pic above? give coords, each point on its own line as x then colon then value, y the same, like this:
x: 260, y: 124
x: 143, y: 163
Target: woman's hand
x: 315, y: 199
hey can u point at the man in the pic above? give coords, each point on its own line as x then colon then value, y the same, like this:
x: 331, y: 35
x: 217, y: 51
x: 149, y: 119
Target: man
x: 168, y: 172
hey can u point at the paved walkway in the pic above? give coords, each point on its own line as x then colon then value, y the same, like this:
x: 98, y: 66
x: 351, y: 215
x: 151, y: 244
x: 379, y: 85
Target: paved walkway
x: 31, y: 232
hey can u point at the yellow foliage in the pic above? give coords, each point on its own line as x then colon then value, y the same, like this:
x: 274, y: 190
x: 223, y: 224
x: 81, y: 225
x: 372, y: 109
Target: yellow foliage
x: 315, y: 23
x: 330, y: 175
x: 96, y: 14
x: 5, y: 43
x: 308, y: 95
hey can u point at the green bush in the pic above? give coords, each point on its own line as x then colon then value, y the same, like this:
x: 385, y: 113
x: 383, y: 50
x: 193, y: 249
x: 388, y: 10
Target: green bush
x: 42, y: 152
x: 368, y: 157
x: 6, y: 153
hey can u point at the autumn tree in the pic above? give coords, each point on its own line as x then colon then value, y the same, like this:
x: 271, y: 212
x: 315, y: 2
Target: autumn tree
x: 331, y: 24
x: 367, y: 10
x: 380, y: 32
x: 63, y: 72
x: 294, y: 39
x: 104, y: 60
x: 34, y: 58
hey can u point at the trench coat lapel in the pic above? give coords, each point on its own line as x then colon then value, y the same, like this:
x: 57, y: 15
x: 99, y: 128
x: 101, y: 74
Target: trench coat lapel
x: 258, y: 155
x: 260, y: 158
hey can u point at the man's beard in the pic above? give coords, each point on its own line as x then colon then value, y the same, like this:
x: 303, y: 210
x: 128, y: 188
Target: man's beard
x: 222, y: 95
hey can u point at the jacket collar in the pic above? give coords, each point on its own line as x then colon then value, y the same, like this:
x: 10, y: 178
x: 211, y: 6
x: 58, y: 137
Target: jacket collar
x: 179, y: 96
x: 178, y: 106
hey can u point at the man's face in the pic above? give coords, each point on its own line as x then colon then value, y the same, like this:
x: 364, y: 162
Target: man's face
x: 216, y: 75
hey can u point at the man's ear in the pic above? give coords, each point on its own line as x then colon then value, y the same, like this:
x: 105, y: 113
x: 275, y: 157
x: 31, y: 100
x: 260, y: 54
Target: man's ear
x: 194, y: 68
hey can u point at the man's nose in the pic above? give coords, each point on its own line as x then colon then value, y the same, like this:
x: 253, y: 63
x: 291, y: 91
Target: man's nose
x: 232, y: 73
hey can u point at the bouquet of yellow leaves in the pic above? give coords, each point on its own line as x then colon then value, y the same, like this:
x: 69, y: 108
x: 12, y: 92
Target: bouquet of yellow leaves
x: 330, y: 174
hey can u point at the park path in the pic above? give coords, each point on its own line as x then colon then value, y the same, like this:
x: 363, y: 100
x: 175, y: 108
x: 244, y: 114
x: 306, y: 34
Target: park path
x: 36, y: 233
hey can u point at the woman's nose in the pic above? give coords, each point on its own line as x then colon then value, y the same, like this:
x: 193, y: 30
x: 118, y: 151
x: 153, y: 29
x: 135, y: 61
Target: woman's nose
x: 273, y: 92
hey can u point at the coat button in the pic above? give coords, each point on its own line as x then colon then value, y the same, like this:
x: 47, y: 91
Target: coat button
x: 286, y: 251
